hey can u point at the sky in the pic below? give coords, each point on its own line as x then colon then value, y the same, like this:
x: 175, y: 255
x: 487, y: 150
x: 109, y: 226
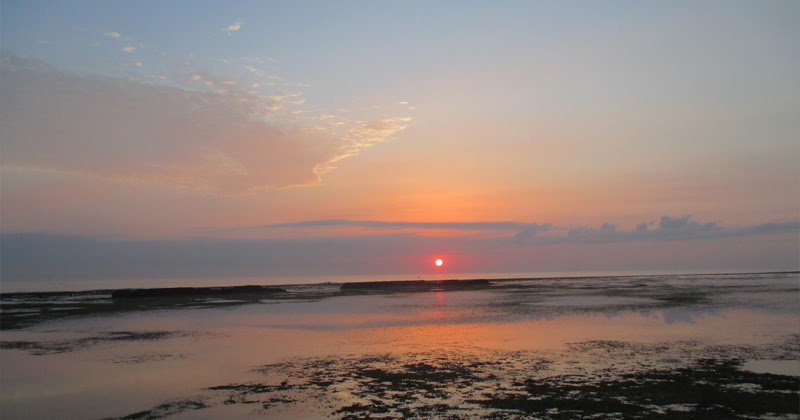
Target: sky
x: 196, y: 139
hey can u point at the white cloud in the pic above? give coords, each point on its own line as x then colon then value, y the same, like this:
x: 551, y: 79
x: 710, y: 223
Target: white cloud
x: 362, y: 135
x: 233, y: 27
x: 114, y: 35
x: 194, y: 77
x: 129, y: 49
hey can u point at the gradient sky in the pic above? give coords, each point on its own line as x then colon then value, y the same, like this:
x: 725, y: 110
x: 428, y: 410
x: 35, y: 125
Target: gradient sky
x: 175, y: 139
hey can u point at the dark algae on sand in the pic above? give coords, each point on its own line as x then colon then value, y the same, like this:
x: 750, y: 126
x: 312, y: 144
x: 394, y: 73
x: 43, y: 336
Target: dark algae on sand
x: 584, y: 382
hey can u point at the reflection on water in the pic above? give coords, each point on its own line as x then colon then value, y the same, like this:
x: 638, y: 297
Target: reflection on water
x: 117, y: 364
x: 786, y: 367
x: 596, y: 300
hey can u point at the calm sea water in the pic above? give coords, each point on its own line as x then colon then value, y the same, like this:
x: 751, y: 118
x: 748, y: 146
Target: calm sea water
x: 296, y: 357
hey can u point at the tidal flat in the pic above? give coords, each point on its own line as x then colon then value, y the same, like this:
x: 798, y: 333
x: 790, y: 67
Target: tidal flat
x: 689, y: 346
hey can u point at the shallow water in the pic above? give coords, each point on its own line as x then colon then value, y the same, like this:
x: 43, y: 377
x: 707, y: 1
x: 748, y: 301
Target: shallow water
x: 202, y: 361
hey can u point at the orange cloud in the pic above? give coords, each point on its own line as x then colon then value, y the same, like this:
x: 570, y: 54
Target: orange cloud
x: 144, y: 134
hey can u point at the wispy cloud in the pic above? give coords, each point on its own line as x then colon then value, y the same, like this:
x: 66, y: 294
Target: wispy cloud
x: 142, y: 134
x: 233, y: 27
x: 363, y: 135
x: 129, y: 49
x: 210, y: 137
x: 114, y: 35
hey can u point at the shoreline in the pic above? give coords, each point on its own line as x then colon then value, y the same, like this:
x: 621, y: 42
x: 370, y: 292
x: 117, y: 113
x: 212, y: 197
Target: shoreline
x: 21, y: 310
x: 367, y: 284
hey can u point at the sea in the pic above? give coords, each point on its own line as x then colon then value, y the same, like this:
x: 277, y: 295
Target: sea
x: 581, y: 345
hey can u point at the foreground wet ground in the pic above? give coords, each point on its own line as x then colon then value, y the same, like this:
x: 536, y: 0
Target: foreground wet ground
x: 636, y: 347
x: 597, y: 378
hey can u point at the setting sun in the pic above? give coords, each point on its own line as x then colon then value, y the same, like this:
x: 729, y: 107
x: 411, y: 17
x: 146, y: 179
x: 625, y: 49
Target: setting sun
x: 439, y: 262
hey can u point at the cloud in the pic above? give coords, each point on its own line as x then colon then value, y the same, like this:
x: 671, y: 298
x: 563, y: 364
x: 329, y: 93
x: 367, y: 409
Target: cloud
x: 129, y: 49
x: 283, y: 95
x: 153, y: 133
x: 194, y: 77
x: 138, y: 134
x: 114, y: 35
x: 670, y: 229
x: 364, y: 135
x: 233, y: 27
x: 683, y: 223
x: 528, y: 234
x: 377, y: 224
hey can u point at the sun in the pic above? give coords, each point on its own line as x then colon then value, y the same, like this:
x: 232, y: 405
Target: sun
x: 439, y: 262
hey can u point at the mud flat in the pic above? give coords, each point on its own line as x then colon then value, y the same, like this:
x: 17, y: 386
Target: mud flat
x: 597, y: 379
x: 705, y: 346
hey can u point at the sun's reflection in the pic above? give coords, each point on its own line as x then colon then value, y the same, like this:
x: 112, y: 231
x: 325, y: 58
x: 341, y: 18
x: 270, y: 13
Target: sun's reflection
x: 439, y: 298
x: 438, y: 311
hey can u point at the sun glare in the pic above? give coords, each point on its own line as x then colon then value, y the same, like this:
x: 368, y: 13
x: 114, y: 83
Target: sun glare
x: 439, y: 262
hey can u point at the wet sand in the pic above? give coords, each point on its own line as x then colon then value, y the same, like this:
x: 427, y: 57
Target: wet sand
x: 682, y: 346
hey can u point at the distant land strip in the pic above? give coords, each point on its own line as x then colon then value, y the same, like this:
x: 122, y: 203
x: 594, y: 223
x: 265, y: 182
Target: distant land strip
x: 194, y: 291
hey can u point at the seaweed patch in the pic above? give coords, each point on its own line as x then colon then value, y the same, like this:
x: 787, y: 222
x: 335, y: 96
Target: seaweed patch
x: 40, y: 348
x: 590, y: 379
